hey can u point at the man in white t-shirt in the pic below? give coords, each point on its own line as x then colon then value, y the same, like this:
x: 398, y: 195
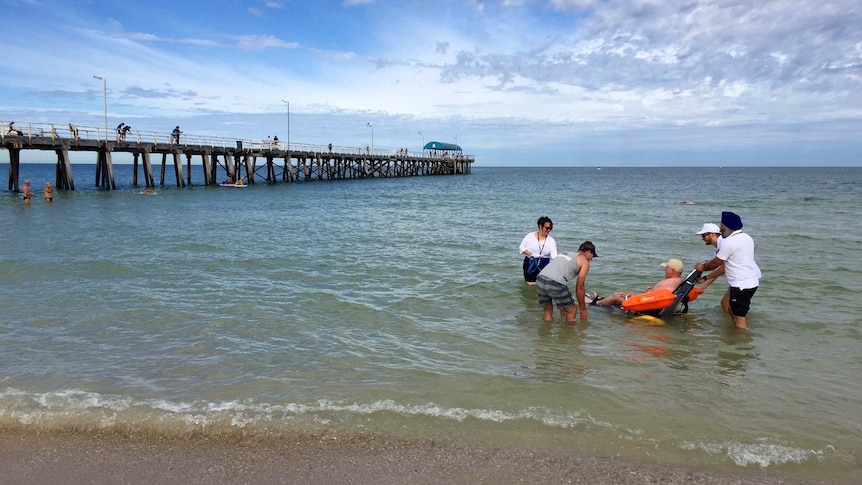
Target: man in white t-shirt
x: 743, y: 274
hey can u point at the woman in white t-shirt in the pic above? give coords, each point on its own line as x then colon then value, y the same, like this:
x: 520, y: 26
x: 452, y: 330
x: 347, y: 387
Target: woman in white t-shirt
x: 538, y: 248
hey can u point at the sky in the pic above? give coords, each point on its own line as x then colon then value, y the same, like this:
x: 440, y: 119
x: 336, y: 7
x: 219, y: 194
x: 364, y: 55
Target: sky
x: 513, y: 82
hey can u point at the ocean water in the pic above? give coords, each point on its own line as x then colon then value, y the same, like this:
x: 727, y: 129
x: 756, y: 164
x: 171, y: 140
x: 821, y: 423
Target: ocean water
x: 397, y: 307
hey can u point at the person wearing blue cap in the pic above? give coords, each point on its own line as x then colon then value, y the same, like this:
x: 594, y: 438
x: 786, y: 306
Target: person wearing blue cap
x: 743, y: 275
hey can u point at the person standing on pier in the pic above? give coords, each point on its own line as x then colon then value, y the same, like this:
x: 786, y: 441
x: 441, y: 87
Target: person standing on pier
x: 120, y: 131
x: 12, y: 131
x: 176, y: 134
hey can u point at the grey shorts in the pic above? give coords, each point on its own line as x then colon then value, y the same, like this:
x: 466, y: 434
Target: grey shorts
x: 549, y: 291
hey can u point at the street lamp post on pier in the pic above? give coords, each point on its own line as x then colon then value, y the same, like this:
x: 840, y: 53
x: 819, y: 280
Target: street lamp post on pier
x: 423, y: 142
x: 105, y: 91
x: 288, y: 122
x: 372, y: 134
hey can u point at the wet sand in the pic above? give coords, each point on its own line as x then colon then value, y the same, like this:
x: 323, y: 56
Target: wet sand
x: 73, y: 458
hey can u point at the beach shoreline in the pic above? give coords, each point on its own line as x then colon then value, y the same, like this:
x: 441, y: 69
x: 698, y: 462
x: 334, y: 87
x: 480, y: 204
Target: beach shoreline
x: 75, y: 457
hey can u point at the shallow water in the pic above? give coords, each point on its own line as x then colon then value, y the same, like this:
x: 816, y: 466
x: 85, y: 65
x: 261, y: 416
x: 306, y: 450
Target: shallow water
x: 397, y: 307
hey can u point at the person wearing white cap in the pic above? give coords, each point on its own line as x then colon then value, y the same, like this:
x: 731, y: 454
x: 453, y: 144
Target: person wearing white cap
x: 672, y: 278
x: 711, y: 235
x: 736, y: 254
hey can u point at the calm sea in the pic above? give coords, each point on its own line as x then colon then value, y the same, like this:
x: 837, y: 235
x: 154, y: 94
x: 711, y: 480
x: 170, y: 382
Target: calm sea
x: 397, y: 307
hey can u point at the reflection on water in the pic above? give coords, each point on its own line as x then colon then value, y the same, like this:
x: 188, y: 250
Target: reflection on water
x: 556, y: 351
x: 738, y: 351
x: 656, y: 351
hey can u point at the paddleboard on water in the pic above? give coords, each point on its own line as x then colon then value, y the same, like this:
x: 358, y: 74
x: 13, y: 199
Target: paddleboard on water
x: 647, y: 320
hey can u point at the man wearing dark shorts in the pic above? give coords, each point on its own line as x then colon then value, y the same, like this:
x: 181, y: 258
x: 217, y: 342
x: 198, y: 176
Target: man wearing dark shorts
x: 740, y: 269
x: 739, y: 301
x: 28, y: 194
x: 552, y: 283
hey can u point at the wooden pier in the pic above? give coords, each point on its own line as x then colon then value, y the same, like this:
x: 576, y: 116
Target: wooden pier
x: 261, y: 160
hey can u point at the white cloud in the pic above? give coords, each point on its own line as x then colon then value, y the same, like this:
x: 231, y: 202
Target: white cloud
x: 258, y: 42
x: 609, y: 66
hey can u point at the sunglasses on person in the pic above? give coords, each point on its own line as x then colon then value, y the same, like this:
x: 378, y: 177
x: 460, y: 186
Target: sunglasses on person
x: 547, y: 228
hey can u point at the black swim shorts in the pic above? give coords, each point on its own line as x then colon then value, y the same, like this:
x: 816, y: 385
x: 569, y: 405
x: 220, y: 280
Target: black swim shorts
x: 740, y: 300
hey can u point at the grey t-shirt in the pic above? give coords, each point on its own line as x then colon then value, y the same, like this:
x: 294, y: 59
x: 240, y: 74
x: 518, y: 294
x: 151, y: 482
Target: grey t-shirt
x: 562, y: 268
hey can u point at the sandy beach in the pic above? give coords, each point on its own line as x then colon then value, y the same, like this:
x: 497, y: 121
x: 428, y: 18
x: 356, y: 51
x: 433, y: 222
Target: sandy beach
x: 73, y: 458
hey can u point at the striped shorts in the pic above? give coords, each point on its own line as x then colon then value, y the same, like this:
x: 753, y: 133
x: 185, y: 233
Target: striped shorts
x: 549, y: 291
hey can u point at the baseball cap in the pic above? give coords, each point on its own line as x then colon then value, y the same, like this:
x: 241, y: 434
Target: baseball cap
x: 673, y: 264
x: 589, y: 246
x: 709, y: 227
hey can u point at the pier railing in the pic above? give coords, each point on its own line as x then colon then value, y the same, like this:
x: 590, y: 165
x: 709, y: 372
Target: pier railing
x: 98, y: 134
